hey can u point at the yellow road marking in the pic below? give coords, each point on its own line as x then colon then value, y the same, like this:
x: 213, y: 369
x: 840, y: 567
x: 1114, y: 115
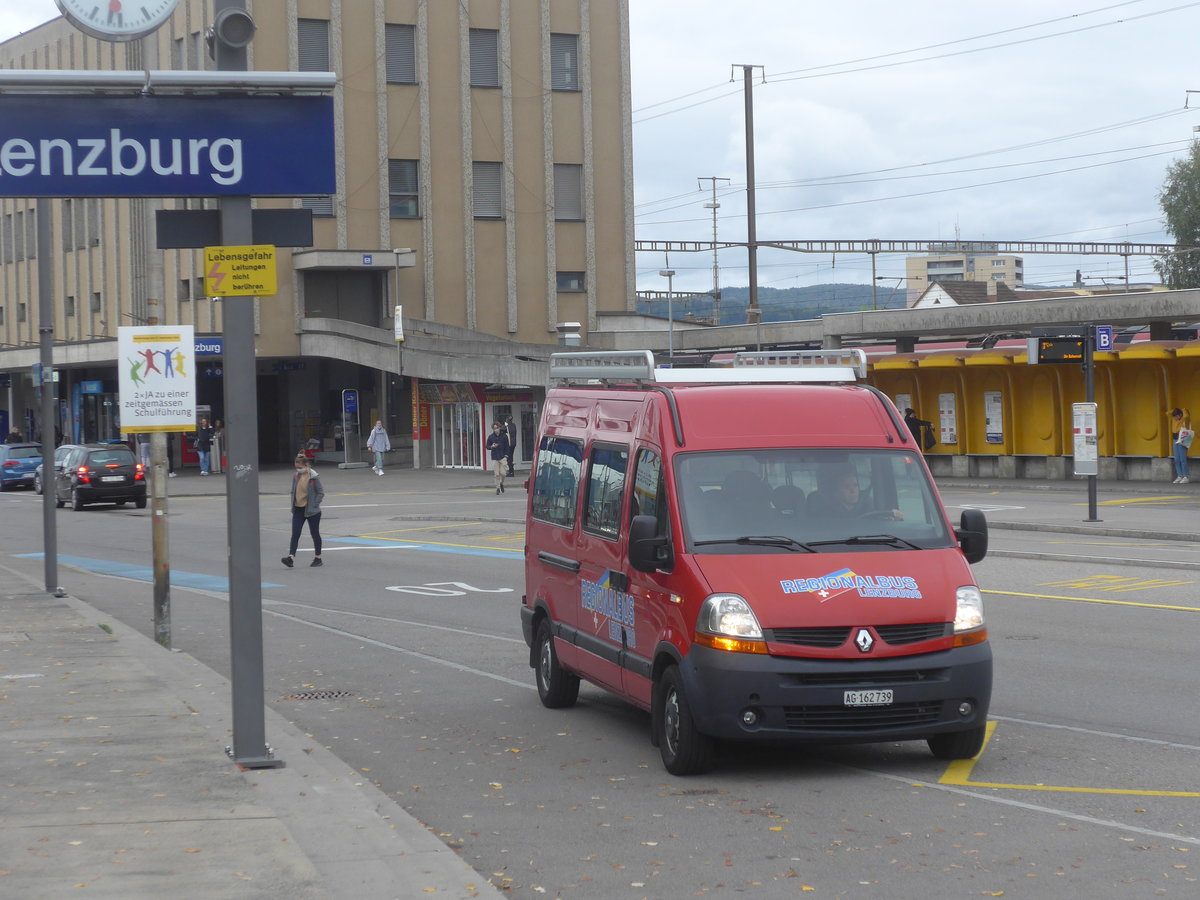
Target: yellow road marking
x: 1137, y: 500
x: 442, y: 543
x: 426, y: 528
x: 958, y: 773
x: 1096, y: 600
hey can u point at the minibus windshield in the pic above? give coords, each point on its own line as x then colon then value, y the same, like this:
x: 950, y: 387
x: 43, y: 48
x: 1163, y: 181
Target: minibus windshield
x: 807, y: 501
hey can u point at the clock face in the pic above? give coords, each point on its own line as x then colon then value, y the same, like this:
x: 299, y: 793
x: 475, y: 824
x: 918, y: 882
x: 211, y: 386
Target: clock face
x: 117, y: 20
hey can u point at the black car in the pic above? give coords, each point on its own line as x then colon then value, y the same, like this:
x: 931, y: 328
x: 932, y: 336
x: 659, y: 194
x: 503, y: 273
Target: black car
x: 101, y: 473
x: 60, y: 457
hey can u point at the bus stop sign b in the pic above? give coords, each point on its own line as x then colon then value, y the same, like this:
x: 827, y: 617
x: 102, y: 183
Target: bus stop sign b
x: 1104, y: 337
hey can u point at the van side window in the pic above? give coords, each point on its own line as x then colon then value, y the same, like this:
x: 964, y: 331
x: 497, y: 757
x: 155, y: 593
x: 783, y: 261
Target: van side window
x: 606, y: 490
x: 649, y: 498
x: 556, y: 482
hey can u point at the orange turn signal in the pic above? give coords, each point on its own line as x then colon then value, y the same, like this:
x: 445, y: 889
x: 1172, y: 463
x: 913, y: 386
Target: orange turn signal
x: 732, y: 645
x: 967, y: 638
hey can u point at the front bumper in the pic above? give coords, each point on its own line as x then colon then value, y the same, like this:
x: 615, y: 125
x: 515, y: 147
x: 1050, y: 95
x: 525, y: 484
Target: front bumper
x: 804, y: 699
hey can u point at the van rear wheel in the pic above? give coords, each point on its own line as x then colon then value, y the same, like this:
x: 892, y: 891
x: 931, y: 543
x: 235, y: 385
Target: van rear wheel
x: 685, y: 751
x: 958, y: 744
x: 556, y: 686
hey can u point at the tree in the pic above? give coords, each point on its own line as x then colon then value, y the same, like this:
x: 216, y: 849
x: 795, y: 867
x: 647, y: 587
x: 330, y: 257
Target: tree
x: 1180, y: 203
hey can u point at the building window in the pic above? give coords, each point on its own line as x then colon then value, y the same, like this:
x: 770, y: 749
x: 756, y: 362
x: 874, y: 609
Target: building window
x: 7, y: 236
x: 320, y: 206
x: 403, y: 198
x: 570, y: 282
x: 485, y: 64
x: 997, y: 276
x: 313, y: 38
x: 1, y: 315
x: 568, y: 192
x: 177, y: 54
x: 69, y: 307
x: 31, y: 243
x: 198, y: 288
x: 997, y: 262
x: 401, y: 50
x: 20, y: 312
x: 185, y: 289
x: 564, y: 62
x: 95, y: 301
x: 487, y: 200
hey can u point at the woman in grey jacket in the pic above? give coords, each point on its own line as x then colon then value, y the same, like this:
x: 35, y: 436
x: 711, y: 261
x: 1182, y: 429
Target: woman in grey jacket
x: 307, y: 495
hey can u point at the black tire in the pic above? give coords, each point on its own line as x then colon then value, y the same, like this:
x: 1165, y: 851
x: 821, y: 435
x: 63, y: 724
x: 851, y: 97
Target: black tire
x: 59, y: 503
x: 685, y: 751
x: 557, y: 687
x: 958, y: 744
x: 37, y: 485
x: 140, y: 502
x: 120, y: 503
x: 76, y: 500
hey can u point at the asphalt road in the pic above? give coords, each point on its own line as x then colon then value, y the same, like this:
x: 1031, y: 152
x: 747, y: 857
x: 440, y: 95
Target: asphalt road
x: 404, y: 656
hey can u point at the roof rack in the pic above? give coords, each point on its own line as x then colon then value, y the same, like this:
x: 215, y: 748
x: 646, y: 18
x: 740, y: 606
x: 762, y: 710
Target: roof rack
x: 625, y: 366
x: 603, y: 365
x: 853, y: 359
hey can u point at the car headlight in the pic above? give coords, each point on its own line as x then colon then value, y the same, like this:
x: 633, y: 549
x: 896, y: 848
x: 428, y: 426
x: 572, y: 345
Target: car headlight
x: 729, y: 615
x: 968, y: 609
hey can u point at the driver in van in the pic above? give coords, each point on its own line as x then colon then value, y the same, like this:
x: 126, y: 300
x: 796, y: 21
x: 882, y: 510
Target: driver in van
x: 843, y: 497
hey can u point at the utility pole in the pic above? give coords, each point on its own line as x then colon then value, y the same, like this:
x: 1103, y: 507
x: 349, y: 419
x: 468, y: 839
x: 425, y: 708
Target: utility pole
x: 753, y: 312
x: 716, y: 269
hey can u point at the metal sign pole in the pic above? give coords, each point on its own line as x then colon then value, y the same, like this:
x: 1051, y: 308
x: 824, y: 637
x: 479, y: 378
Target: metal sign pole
x: 45, y: 270
x: 249, y: 747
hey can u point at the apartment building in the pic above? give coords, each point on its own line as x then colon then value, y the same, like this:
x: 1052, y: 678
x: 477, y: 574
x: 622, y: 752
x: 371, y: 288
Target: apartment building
x: 484, y: 184
x: 922, y: 271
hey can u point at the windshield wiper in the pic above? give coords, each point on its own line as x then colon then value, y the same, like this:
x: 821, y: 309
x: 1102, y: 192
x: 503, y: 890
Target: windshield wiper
x: 870, y: 539
x: 760, y: 540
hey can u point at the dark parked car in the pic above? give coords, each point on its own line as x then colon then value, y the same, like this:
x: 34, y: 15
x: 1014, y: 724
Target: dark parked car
x: 101, y: 473
x: 60, y: 457
x: 18, y: 462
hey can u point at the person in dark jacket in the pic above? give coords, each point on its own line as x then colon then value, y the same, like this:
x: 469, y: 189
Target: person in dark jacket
x: 497, y: 445
x: 204, y: 439
x: 915, y: 425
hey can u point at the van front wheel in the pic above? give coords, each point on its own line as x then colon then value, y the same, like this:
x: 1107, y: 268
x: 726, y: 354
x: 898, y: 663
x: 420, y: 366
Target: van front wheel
x: 685, y: 751
x: 958, y: 744
x: 556, y: 686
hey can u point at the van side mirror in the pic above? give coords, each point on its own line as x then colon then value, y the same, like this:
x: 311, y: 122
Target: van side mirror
x: 973, y: 535
x: 648, y: 550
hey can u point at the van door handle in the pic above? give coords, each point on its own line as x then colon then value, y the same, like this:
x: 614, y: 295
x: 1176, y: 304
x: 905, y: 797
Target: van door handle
x: 559, y: 562
x: 618, y: 581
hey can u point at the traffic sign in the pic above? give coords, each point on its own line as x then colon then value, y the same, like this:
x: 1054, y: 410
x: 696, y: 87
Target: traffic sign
x: 1104, y: 337
x: 240, y: 271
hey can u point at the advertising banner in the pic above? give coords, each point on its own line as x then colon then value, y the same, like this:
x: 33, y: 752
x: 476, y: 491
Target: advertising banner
x: 165, y: 146
x: 157, y: 368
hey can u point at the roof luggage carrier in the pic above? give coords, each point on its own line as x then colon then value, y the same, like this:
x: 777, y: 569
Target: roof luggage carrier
x: 637, y: 366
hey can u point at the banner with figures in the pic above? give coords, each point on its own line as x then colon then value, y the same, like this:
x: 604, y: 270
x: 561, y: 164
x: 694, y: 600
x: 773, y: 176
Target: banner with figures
x: 157, y: 367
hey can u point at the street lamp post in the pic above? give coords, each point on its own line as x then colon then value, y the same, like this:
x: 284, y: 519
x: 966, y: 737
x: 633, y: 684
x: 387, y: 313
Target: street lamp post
x: 669, y: 274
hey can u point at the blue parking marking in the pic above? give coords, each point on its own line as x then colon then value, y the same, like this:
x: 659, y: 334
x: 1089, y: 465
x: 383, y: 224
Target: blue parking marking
x: 143, y: 573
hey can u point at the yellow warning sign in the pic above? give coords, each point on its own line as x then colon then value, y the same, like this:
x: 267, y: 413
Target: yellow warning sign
x: 240, y: 271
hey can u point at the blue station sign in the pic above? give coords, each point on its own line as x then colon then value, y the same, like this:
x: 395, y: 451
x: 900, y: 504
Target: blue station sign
x: 165, y: 146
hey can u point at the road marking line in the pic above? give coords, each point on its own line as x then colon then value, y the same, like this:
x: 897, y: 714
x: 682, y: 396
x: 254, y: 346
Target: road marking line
x: 959, y: 773
x: 424, y: 528
x: 1133, y: 603
x: 1137, y: 500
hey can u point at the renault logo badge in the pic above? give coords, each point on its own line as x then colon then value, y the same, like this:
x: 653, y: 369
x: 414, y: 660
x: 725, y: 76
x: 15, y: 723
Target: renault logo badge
x: 863, y: 640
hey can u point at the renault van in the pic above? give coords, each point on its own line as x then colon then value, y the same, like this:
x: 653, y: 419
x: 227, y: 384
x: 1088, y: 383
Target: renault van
x: 751, y: 553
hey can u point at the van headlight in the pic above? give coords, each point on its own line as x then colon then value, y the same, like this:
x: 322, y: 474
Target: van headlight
x: 726, y: 622
x: 968, y: 608
x: 728, y: 615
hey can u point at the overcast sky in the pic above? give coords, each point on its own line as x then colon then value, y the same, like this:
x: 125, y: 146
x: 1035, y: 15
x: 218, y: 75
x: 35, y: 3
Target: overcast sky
x: 1045, y: 120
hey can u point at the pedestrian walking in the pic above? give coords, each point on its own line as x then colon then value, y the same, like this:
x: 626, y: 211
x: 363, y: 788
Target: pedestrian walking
x: 510, y: 432
x: 1181, y: 429
x: 497, y: 443
x: 204, y: 439
x: 143, y: 448
x: 378, y: 443
x: 307, y: 494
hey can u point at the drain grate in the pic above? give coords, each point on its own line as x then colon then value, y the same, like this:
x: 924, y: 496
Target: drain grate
x: 318, y: 695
